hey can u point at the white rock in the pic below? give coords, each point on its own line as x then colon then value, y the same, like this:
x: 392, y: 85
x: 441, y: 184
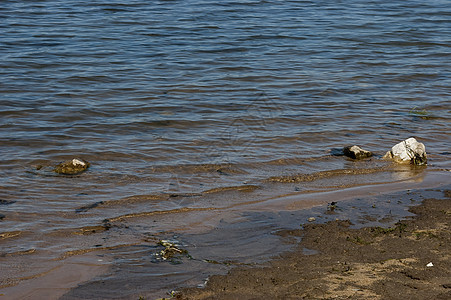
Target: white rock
x: 408, y: 151
x: 430, y: 265
x: 76, y: 161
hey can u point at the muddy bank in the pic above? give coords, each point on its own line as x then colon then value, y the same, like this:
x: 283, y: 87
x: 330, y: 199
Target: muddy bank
x: 261, y: 235
x: 249, y: 234
x: 335, y: 260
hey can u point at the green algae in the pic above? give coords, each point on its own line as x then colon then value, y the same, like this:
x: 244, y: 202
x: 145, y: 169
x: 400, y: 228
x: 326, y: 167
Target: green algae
x: 171, y: 252
x: 72, y: 167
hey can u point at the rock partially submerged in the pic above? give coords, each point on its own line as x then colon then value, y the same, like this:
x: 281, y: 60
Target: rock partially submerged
x: 408, y: 151
x: 72, y: 167
x: 356, y: 152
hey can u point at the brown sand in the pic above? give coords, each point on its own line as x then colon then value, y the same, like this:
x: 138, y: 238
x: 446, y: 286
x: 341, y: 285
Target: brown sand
x: 335, y: 261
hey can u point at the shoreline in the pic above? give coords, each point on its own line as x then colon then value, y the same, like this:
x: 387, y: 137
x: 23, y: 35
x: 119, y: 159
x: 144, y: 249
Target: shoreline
x: 288, y: 211
x: 335, y: 261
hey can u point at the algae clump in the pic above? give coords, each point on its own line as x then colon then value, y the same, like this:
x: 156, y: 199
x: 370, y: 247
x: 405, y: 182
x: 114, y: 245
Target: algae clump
x: 72, y: 167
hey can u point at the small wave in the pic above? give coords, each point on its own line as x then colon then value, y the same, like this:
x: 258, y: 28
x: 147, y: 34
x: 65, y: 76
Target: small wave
x: 18, y: 253
x: 160, y: 212
x: 324, y: 174
x: 83, y: 251
x: 9, y: 234
x: 241, y: 188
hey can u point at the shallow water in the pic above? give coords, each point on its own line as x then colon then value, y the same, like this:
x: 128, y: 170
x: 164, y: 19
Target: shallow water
x: 203, y: 109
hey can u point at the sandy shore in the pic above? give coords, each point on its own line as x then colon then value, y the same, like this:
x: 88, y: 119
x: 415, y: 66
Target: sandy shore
x: 411, y: 260
x: 336, y: 256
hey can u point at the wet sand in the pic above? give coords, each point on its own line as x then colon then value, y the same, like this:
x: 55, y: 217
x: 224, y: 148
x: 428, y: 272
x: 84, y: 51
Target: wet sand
x: 58, y: 280
x: 335, y: 260
x: 327, y: 263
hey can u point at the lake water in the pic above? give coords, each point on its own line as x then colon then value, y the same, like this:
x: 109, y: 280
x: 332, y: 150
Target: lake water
x: 193, y: 114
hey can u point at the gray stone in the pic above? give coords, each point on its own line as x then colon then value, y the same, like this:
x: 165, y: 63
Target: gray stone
x: 408, y: 151
x: 356, y: 152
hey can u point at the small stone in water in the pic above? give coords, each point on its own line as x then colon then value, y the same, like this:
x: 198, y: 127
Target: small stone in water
x: 72, y: 167
x: 311, y: 219
x: 356, y: 152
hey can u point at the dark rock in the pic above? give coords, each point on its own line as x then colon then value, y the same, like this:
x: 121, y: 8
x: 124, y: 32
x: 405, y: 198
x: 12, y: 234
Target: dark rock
x: 72, y: 167
x: 356, y: 152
